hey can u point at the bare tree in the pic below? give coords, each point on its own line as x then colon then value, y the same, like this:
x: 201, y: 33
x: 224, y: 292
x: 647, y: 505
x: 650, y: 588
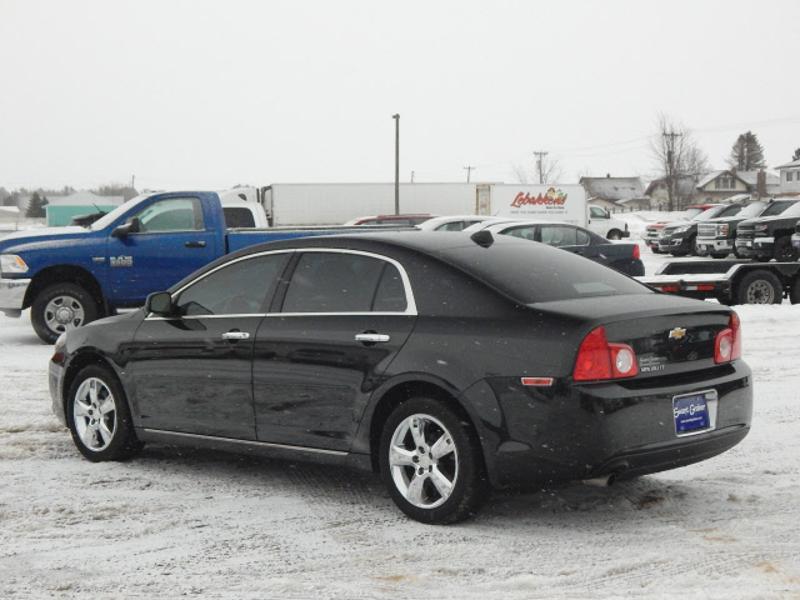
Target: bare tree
x: 679, y: 159
x: 551, y: 171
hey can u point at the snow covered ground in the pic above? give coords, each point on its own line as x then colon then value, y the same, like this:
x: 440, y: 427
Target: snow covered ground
x: 194, y: 523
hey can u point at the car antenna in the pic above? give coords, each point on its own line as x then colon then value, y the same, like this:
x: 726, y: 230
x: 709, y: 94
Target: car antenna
x: 483, y: 238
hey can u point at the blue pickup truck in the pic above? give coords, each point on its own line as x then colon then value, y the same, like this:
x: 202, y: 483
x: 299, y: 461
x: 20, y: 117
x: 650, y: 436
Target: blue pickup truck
x: 70, y: 276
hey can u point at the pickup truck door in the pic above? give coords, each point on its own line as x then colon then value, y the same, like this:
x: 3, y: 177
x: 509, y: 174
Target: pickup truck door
x: 174, y: 239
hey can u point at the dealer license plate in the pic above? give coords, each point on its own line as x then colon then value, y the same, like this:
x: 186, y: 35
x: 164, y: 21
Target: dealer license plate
x: 691, y: 412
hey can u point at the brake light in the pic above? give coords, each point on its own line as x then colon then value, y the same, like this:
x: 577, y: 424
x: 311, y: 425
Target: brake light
x: 598, y: 359
x: 728, y: 344
x: 637, y: 252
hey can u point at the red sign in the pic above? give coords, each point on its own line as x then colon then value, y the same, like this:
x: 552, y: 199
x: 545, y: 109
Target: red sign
x: 553, y: 197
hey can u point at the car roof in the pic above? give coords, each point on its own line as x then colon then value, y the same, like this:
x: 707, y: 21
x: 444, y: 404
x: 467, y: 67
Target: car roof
x: 495, y: 226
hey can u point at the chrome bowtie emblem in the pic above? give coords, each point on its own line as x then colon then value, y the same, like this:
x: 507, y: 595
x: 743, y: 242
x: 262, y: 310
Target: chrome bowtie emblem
x: 677, y: 334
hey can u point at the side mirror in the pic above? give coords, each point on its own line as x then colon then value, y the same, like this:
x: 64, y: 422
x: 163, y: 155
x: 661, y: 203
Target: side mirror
x: 123, y: 231
x: 160, y: 303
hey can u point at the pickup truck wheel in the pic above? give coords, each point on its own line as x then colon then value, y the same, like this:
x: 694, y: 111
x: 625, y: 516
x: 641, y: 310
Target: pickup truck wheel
x: 794, y: 294
x: 614, y: 234
x: 431, y: 462
x: 61, y: 307
x: 783, y: 250
x: 759, y: 287
x: 98, y: 416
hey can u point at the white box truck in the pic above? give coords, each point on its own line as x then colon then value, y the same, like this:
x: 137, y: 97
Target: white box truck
x: 289, y: 204
x: 550, y: 202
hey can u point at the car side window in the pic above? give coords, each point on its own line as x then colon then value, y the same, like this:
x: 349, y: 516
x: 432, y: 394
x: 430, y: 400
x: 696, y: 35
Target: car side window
x: 582, y: 237
x: 454, y: 226
x: 172, y: 214
x: 558, y: 235
x: 333, y: 282
x: 527, y: 232
x: 391, y: 293
x: 240, y: 288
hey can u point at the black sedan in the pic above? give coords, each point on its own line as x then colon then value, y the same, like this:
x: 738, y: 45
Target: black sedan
x: 623, y: 257
x: 447, y: 363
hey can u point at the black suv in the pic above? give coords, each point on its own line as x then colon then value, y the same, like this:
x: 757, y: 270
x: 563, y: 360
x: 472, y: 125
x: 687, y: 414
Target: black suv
x: 679, y: 238
x: 716, y: 237
x: 770, y: 235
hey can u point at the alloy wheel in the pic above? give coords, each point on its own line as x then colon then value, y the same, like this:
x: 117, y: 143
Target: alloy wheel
x: 94, y: 413
x: 423, y: 460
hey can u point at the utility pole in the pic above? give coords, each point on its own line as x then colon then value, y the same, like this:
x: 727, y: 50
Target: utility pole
x: 396, y: 118
x: 469, y: 169
x: 412, y: 176
x: 670, y: 140
x: 133, y: 182
x: 540, y: 163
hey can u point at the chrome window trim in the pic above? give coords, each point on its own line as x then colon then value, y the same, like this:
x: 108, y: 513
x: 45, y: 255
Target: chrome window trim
x: 411, y: 305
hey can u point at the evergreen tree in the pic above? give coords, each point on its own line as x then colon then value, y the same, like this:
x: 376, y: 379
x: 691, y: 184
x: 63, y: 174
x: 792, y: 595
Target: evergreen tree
x: 747, y: 153
x: 796, y: 155
x: 36, y: 206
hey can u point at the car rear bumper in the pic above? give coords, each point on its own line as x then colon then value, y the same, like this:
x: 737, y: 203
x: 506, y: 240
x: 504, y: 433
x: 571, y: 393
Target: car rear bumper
x: 578, y: 432
x: 12, y: 295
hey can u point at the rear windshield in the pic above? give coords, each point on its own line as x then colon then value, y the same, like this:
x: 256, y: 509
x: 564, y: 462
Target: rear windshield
x: 777, y: 208
x: 532, y: 272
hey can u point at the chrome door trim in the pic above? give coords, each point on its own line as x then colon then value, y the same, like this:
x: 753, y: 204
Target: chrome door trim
x: 214, y: 438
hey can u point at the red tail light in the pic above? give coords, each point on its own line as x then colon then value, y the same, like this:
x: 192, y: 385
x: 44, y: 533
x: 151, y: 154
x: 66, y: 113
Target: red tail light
x: 637, y: 252
x: 728, y: 344
x: 598, y: 359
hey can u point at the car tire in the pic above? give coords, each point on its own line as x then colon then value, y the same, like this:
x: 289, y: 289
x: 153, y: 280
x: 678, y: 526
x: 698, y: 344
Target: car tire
x: 61, y: 307
x: 432, y: 489
x: 783, y: 251
x: 98, y: 416
x: 794, y: 293
x: 759, y: 287
x: 614, y: 234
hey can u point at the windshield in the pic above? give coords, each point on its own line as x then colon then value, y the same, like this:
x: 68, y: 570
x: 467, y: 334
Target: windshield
x: 707, y: 214
x: 777, y: 207
x: 108, y: 219
x: 792, y: 211
x: 752, y: 210
x: 691, y: 213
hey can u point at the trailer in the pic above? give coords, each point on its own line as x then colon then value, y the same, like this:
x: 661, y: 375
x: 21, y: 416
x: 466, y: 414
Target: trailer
x: 729, y: 281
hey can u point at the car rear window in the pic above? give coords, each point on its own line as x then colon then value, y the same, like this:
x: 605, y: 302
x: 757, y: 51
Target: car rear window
x: 531, y: 272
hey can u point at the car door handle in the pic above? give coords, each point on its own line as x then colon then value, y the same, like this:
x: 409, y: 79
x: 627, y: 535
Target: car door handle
x: 195, y: 244
x: 372, y: 338
x: 235, y: 336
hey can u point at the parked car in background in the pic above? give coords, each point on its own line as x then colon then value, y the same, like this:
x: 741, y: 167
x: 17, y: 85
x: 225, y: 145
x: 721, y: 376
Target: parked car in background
x: 622, y: 257
x: 770, y: 234
x: 453, y: 222
x: 678, y: 238
x: 653, y: 231
x: 796, y: 237
x: 716, y: 237
x: 397, y: 220
x: 448, y: 366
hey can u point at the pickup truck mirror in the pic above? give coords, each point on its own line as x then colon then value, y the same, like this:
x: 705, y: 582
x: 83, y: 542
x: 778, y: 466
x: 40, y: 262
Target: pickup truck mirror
x: 160, y: 303
x: 123, y: 231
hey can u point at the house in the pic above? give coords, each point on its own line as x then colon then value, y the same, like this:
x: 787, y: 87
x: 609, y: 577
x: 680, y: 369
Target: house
x: 61, y: 209
x: 790, y: 177
x: 719, y: 185
x: 617, y: 194
x: 659, y: 197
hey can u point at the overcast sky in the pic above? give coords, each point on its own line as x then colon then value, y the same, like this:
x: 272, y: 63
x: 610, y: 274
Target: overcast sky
x: 209, y: 94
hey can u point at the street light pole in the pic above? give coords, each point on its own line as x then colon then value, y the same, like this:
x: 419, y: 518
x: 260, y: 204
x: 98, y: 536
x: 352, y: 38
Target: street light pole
x: 396, y: 118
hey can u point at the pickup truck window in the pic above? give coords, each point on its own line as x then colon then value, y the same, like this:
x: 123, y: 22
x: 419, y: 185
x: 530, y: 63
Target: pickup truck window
x: 238, y: 216
x: 172, y: 214
x: 240, y: 288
